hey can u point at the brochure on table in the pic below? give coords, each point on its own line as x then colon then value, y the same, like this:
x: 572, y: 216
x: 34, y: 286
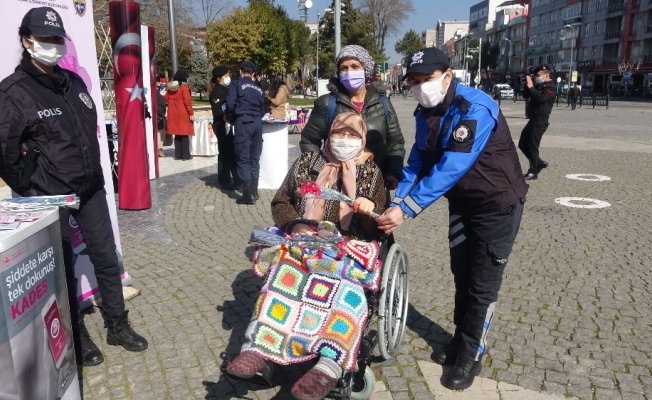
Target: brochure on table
x: 37, y: 357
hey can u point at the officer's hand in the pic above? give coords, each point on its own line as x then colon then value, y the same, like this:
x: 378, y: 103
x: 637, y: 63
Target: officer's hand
x: 391, y: 182
x: 362, y: 205
x: 391, y: 219
x: 528, y: 81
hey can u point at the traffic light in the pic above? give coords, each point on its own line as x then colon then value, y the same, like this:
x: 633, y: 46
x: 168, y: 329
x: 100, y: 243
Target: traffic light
x: 384, y: 67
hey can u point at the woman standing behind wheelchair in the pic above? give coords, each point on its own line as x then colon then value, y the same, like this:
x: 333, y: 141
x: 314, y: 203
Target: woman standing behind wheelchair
x: 346, y: 165
x: 351, y: 93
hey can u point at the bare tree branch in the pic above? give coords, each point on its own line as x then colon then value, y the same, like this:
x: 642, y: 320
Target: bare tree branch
x: 213, y: 9
x: 388, y: 17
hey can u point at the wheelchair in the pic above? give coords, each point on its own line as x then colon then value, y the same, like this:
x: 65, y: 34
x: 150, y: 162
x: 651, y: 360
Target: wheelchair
x: 390, y: 306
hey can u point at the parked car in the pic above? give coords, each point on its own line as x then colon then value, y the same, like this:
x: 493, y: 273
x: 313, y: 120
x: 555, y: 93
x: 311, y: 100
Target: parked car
x: 506, y: 91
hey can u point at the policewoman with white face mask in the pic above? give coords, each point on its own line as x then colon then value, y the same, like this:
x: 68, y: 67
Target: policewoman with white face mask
x: 463, y: 151
x: 351, y: 92
x: 48, y: 139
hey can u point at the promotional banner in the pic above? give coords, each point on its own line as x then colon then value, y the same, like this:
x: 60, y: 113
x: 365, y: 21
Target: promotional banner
x: 133, y: 171
x: 151, y: 128
x: 37, y: 356
x: 81, y: 58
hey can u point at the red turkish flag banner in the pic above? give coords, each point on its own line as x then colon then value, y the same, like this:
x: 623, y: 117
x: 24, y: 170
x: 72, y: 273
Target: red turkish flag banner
x: 133, y: 175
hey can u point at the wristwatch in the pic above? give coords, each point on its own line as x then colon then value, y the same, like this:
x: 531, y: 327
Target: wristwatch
x: 405, y: 215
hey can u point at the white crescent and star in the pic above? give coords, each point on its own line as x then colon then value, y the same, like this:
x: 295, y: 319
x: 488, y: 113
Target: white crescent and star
x: 136, y: 93
x: 126, y: 39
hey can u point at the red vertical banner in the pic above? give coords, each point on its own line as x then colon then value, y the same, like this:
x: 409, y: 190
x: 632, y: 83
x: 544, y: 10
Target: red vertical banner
x: 153, y: 98
x: 133, y: 176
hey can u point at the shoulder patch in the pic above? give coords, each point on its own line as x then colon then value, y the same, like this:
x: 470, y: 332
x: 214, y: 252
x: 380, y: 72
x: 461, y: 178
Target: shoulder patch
x: 549, y: 91
x: 463, y: 104
x: 462, y: 133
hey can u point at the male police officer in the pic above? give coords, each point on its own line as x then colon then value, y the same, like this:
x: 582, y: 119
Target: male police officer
x: 463, y: 151
x: 541, y: 93
x: 246, y: 106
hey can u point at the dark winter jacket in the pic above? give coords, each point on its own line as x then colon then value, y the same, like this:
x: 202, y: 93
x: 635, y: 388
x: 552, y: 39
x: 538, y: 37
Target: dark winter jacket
x: 542, y: 98
x: 55, y: 117
x: 384, y: 137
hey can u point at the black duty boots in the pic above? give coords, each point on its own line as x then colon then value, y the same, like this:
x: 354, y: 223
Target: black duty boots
x: 255, y: 190
x: 463, y: 373
x: 247, y: 194
x: 447, y: 355
x: 120, y: 333
x: 90, y: 354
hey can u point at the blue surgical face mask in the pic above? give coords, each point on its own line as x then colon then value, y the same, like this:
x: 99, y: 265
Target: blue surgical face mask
x: 538, y: 80
x: 352, y: 80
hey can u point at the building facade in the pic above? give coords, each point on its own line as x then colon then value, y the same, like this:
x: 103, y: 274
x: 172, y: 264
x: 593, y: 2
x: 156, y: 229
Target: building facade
x: 446, y: 30
x: 429, y: 38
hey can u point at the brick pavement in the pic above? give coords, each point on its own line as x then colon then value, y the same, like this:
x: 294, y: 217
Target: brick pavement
x: 573, y: 318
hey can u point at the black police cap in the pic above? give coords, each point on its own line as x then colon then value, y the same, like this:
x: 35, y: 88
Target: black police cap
x: 427, y: 61
x: 543, y: 67
x: 44, y: 21
x: 220, y: 70
x: 248, y: 64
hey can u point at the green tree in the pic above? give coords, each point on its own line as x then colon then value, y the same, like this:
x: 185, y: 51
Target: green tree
x: 234, y: 38
x: 490, y: 55
x: 199, y: 72
x: 299, y: 48
x: 408, y: 45
x: 270, y: 54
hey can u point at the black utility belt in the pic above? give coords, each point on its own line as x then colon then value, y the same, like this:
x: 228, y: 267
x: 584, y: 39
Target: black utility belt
x: 247, y: 116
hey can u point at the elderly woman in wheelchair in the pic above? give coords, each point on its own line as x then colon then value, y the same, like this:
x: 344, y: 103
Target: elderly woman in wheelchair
x: 313, y: 302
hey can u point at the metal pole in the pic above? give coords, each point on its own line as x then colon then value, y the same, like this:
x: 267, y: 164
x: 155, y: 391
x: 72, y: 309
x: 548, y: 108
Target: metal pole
x: 571, y: 58
x: 338, y: 28
x: 173, y: 37
x: 480, y: 60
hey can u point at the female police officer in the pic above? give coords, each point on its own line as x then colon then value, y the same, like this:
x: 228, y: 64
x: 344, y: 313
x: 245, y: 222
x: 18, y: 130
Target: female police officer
x: 463, y: 151
x: 47, y: 111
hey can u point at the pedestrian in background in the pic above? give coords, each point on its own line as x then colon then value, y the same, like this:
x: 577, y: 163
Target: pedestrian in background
x: 245, y: 106
x: 68, y: 162
x: 278, y: 95
x: 181, y: 116
x: 161, y: 109
x: 227, y: 172
x: 462, y: 138
x: 540, y: 91
x: 574, y: 95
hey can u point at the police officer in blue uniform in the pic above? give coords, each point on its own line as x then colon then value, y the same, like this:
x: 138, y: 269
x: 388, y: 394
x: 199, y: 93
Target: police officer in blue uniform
x: 463, y: 151
x: 245, y: 108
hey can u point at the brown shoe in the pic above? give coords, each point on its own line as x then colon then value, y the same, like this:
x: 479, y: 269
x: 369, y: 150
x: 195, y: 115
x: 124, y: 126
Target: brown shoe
x: 314, y: 385
x: 246, y: 365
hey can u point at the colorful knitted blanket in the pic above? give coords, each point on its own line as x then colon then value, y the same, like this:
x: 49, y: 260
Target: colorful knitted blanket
x: 313, y: 303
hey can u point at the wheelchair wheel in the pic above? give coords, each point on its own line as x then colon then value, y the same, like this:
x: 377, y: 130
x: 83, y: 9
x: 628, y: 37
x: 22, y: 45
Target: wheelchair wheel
x: 393, y: 303
x: 369, y: 386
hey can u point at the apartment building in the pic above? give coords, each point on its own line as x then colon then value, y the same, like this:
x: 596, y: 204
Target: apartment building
x: 429, y: 37
x: 508, y: 32
x: 446, y: 30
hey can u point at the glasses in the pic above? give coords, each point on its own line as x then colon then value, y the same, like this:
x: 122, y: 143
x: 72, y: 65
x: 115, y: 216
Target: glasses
x: 348, y: 135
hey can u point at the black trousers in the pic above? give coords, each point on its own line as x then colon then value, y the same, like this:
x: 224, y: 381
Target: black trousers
x: 248, y: 145
x: 531, y: 139
x: 182, y: 147
x: 227, y: 171
x: 95, y: 225
x: 479, y: 246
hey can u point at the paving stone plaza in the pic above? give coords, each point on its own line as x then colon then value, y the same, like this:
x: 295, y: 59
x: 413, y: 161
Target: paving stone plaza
x: 573, y: 318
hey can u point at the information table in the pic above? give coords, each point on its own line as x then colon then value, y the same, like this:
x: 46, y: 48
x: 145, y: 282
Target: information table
x: 204, y: 142
x: 274, y: 158
x: 37, y: 357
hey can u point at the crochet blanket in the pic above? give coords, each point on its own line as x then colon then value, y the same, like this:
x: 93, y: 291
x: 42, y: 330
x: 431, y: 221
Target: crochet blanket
x: 313, y: 303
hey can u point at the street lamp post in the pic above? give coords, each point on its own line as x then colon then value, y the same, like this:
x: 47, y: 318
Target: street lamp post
x: 338, y: 27
x: 173, y: 36
x: 508, y: 54
x: 570, y: 69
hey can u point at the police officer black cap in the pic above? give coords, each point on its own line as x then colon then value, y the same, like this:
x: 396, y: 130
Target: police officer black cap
x: 543, y: 67
x: 44, y: 21
x: 249, y: 65
x: 427, y: 61
x: 220, y: 70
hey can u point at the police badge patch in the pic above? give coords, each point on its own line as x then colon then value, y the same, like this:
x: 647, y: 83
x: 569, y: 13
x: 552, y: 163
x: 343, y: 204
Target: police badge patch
x: 86, y: 99
x: 80, y: 7
x: 461, y: 134
x: 417, y: 58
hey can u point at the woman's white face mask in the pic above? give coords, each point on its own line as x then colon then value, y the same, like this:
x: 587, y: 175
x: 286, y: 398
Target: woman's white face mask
x: 345, y: 149
x: 47, y: 53
x: 431, y: 93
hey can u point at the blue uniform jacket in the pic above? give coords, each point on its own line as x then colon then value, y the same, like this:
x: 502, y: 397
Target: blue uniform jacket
x: 464, y: 134
x: 245, y: 98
